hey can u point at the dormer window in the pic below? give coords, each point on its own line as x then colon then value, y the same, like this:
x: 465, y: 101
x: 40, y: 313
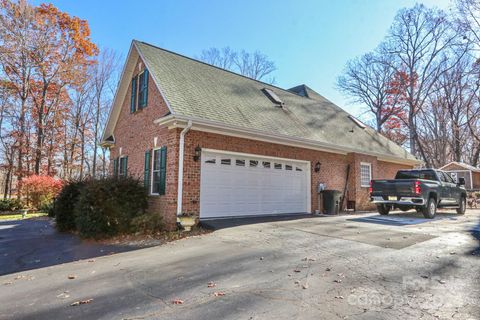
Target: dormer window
x: 139, y: 94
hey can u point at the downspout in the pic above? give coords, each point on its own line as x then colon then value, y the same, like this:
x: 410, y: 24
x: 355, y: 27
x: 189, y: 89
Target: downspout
x: 181, y: 155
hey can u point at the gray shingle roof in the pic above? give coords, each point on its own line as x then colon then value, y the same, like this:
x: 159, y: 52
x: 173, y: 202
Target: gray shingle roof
x: 195, y: 89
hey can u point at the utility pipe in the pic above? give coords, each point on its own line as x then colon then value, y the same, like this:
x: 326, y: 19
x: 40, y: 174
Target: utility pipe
x: 181, y: 156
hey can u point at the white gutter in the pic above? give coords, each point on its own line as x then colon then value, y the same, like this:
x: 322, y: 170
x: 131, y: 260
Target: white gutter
x: 181, y: 155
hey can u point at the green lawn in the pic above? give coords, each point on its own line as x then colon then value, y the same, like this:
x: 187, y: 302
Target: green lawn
x: 18, y: 216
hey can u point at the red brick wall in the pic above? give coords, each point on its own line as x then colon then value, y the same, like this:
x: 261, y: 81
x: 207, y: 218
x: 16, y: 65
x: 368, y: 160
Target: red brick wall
x: 135, y: 133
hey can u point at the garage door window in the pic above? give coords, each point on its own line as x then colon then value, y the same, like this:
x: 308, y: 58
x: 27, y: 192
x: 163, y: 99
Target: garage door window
x: 278, y: 166
x: 210, y: 161
x: 298, y: 169
x: 226, y: 162
x: 253, y: 163
x: 365, y: 174
x: 266, y: 164
x: 240, y: 162
x: 288, y: 167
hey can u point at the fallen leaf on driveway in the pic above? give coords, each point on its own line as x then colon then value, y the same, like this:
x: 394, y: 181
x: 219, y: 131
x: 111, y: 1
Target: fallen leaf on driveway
x: 337, y: 280
x: 296, y: 270
x: 338, y: 297
x: 453, y: 252
x: 305, y: 286
x: 177, y: 301
x: 328, y: 269
x: 91, y: 260
x: 424, y: 276
x: 211, y: 284
x: 72, y: 276
x: 77, y: 303
x: 219, y: 294
x: 442, y: 281
x: 63, y: 295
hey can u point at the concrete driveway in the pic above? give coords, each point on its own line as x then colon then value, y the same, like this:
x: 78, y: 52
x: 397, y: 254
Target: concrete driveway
x: 348, y: 267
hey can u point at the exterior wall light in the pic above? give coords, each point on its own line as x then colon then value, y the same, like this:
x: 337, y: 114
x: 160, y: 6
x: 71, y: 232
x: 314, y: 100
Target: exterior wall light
x: 198, y: 153
x: 317, y: 166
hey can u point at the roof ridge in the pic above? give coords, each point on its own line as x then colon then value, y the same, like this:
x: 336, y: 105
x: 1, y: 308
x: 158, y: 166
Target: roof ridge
x: 216, y: 67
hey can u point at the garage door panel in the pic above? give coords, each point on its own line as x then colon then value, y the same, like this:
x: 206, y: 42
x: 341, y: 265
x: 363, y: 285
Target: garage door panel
x: 251, y: 188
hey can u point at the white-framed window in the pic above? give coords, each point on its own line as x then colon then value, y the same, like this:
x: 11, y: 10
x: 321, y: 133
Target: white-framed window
x: 365, y: 174
x: 122, y: 169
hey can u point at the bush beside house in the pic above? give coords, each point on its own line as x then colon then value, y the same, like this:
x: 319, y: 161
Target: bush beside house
x: 104, y: 208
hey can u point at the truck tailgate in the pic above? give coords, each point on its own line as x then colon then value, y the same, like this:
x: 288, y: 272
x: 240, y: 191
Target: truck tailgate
x: 393, y: 187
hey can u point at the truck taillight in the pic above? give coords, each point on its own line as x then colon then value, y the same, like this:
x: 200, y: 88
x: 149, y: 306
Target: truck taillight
x: 417, y: 188
x: 371, y: 187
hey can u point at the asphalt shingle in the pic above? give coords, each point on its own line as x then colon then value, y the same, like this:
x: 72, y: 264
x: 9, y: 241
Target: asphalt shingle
x: 195, y: 89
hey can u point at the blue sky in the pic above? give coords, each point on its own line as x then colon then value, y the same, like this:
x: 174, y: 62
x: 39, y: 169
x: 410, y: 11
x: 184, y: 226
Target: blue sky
x: 309, y: 41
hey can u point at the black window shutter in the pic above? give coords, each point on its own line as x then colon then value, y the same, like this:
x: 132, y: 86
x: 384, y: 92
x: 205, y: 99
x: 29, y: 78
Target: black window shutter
x: 163, y: 169
x: 133, y: 99
x: 145, y: 83
x: 115, y: 167
x: 146, y: 173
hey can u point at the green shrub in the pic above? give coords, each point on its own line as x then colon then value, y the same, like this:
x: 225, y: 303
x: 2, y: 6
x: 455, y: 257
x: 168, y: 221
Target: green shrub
x: 64, y: 206
x: 11, y: 204
x: 147, y: 223
x: 107, y: 207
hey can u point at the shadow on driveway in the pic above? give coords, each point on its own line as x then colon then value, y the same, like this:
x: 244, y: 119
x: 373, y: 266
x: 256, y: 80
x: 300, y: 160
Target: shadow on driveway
x: 222, y: 223
x: 34, y: 243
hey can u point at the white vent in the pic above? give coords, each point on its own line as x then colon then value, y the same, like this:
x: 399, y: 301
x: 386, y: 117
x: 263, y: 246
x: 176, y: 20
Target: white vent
x: 273, y: 96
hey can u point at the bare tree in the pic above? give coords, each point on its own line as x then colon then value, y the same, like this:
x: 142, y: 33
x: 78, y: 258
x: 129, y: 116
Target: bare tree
x: 418, y: 40
x: 253, y: 65
x: 102, y: 75
x: 366, y: 80
x: 468, y: 18
x: 223, y: 58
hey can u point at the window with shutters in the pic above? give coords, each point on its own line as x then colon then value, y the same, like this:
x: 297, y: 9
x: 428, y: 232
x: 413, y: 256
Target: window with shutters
x: 139, y: 94
x: 122, y: 169
x: 143, y: 89
x: 159, y: 171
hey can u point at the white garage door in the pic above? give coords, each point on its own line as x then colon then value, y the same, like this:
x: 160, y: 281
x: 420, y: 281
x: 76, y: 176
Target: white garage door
x: 240, y: 185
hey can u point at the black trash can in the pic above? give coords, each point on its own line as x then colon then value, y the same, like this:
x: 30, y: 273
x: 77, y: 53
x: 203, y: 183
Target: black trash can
x: 331, y: 201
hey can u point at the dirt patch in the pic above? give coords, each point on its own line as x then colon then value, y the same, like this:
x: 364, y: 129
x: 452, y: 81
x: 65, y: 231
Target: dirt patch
x: 150, y: 240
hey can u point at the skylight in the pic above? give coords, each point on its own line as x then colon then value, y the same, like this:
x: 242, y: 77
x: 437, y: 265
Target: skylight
x: 357, y: 122
x: 273, y: 96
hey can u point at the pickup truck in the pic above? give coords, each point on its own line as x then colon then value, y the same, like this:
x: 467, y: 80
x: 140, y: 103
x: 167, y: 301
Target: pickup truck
x: 424, y: 190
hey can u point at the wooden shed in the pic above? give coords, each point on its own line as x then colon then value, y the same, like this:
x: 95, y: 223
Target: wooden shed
x: 470, y: 173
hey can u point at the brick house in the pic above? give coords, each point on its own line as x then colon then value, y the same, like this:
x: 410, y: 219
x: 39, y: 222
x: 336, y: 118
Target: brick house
x: 470, y: 173
x: 212, y: 143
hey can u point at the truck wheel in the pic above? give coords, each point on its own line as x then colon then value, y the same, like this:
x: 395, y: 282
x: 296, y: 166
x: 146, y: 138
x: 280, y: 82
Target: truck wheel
x: 462, y: 206
x: 383, y: 209
x: 430, y: 209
